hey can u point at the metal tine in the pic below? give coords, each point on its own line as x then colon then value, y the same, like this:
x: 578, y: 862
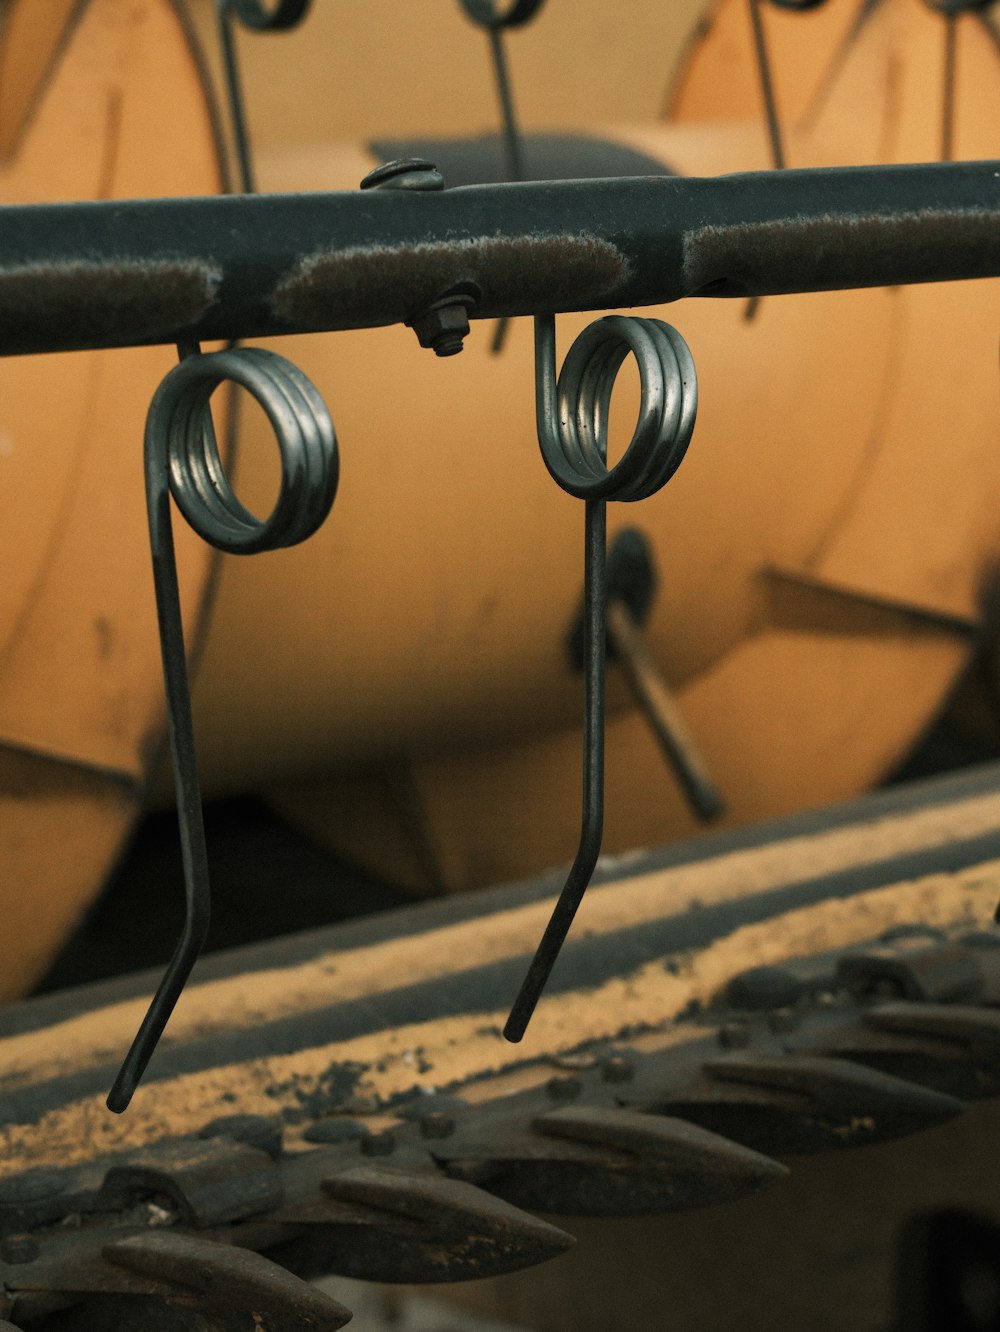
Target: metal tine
x: 803, y: 1103
x: 591, y: 1161
x: 572, y: 421
x: 224, y: 1278
x: 382, y: 1224
x: 255, y: 15
x: 486, y: 15
x: 770, y: 111
x: 951, y: 1048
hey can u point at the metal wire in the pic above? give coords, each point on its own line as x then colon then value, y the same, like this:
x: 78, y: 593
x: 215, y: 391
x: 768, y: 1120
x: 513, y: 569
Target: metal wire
x: 486, y: 15
x: 948, y: 87
x: 252, y: 14
x: 770, y: 111
x: 182, y: 459
x: 572, y: 420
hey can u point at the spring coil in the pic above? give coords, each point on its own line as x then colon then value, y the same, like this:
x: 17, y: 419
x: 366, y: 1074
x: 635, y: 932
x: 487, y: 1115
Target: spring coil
x: 572, y: 418
x: 182, y: 459
x: 181, y: 442
x: 572, y: 414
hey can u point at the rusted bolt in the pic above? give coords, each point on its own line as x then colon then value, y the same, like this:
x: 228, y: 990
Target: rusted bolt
x: 444, y: 326
x: 734, y: 1035
x: 18, y: 1248
x: 563, y: 1087
x: 404, y: 173
x: 436, y: 1125
x: 618, y: 1068
x: 379, y: 1144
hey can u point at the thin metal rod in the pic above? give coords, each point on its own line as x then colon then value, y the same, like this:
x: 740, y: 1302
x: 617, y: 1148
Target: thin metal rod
x: 592, y: 824
x: 770, y: 111
x: 512, y: 147
x: 512, y: 137
x: 991, y: 27
x: 194, y: 854
x: 661, y: 710
x: 824, y: 86
x: 948, y: 88
x: 767, y: 87
x: 237, y: 106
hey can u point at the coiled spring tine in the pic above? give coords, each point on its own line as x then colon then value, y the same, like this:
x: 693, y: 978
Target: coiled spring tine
x: 252, y: 14
x: 182, y: 460
x: 486, y: 15
x: 572, y: 421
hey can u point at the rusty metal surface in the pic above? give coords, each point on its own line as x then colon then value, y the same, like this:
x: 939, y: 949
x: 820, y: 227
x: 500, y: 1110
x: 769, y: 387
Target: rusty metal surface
x: 113, y: 274
x: 390, y: 1224
x: 197, y: 1231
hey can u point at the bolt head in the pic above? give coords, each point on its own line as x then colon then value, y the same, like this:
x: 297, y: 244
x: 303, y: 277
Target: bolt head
x: 734, y: 1035
x: 618, y: 1068
x: 443, y: 327
x: 404, y: 173
x: 564, y: 1087
x: 437, y: 1124
x: 783, y: 1020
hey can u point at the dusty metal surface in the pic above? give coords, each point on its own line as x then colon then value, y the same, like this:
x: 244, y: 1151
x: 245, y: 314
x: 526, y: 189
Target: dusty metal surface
x: 431, y: 1189
x: 695, y: 1053
x: 293, y: 263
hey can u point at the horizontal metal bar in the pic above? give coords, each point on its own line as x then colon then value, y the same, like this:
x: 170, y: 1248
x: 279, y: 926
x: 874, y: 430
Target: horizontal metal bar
x: 112, y: 274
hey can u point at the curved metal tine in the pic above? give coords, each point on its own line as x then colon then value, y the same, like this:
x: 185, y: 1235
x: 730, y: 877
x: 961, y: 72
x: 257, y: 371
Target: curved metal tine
x: 592, y: 823
x: 770, y: 110
x: 866, y: 11
x: 234, y: 87
x: 194, y: 856
x: 254, y: 14
x: 991, y: 26
x: 513, y: 147
x: 595, y: 600
x: 948, y: 87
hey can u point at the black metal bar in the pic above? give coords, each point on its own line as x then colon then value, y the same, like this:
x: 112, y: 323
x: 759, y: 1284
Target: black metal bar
x: 111, y: 274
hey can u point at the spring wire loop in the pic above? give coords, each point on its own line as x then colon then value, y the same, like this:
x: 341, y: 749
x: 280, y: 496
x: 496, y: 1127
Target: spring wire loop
x: 572, y: 420
x: 182, y: 460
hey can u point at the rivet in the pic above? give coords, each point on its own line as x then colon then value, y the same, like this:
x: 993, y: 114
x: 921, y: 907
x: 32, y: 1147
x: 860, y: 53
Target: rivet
x: 783, y: 1020
x: 437, y: 1125
x: 379, y: 1144
x: 18, y: 1248
x: 734, y: 1035
x: 563, y: 1087
x: 618, y: 1068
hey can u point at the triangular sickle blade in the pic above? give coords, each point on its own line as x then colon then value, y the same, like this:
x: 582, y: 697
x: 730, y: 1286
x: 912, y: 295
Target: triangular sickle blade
x: 583, y: 1161
x: 801, y: 1103
x: 381, y: 1224
x: 225, y: 1279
